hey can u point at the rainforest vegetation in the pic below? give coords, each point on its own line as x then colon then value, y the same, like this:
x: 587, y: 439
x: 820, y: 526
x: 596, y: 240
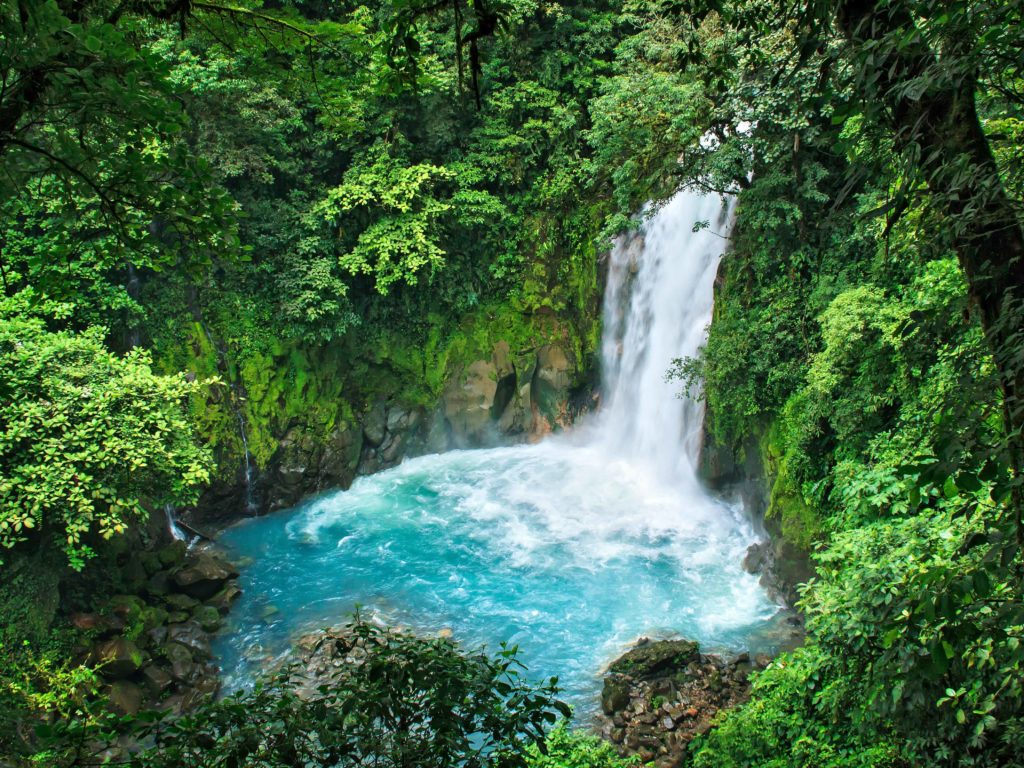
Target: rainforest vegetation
x: 278, y: 213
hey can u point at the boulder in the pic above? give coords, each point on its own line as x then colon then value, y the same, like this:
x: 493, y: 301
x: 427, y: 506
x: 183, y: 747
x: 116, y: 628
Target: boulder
x: 652, y: 659
x: 172, y: 554
x: 153, y: 616
x: 150, y: 561
x: 117, y: 658
x: 191, y: 635
x: 208, y: 618
x: 156, y: 679
x: 204, y: 575
x: 179, y: 602
x: 182, y: 666
x: 127, y: 607
x: 95, y: 622
x: 614, y: 694
x: 225, y: 597
x: 125, y: 697
x: 159, y: 584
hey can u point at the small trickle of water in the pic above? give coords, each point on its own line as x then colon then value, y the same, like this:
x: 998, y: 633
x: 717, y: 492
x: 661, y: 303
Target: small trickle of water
x: 250, y: 499
x: 172, y: 525
x: 570, y: 548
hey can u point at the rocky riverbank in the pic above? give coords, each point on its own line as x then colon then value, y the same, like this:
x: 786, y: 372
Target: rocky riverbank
x: 659, y: 696
x: 150, y: 647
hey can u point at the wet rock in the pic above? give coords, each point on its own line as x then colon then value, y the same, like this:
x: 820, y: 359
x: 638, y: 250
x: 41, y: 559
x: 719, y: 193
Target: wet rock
x: 172, y: 554
x: 208, y: 618
x: 375, y: 425
x: 614, y: 694
x: 203, y: 575
x: 225, y: 597
x: 757, y: 557
x: 180, y: 602
x: 150, y: 562
x: 182, y: 666
x: 191, y: 635
x: 153, y: 616
x: 159, y: 584
x: 125, y: 697
x: 156, y: 680
x: 102, y: 625
x: 437, y: 437
x: 126, y: 607
x: 307, y: 462
x: 157, y: 635
x: 117, y: 658
x: 268, y: 612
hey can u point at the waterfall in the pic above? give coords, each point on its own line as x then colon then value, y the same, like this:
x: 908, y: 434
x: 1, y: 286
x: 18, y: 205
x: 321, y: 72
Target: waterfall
x: 571, y: 547
x: 657, y: 306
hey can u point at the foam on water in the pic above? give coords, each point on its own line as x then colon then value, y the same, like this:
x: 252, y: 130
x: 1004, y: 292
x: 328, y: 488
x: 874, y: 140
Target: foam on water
x: 571, y: 547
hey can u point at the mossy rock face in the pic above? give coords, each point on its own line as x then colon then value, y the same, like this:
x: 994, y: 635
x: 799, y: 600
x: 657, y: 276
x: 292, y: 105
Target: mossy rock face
x: 656, y: 659
x: 799, y: 524
x: 29, y: 595
x: 172, y: 554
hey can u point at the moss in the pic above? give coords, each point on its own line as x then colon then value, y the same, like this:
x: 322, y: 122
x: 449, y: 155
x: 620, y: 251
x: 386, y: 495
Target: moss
x: 29, y: 595
x: 273, y: 383
x: 799, y: 523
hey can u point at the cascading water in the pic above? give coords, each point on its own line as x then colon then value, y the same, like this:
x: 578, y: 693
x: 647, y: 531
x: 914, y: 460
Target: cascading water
x: 657, y: 306
x: 570, y: 547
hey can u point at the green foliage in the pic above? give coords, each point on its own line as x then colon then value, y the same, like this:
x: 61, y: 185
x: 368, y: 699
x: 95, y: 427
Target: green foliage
x: 568, y: 748
x: 844, y: 340
x: 409, y: 701
x: 38, y: 682
x: 798, y: 716
x: 89, y: 438
x: 97, y: 181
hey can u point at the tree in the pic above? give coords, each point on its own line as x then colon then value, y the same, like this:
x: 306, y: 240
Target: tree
x: 88, y: 122
x: 916, y: 69
x: 88, y: 439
